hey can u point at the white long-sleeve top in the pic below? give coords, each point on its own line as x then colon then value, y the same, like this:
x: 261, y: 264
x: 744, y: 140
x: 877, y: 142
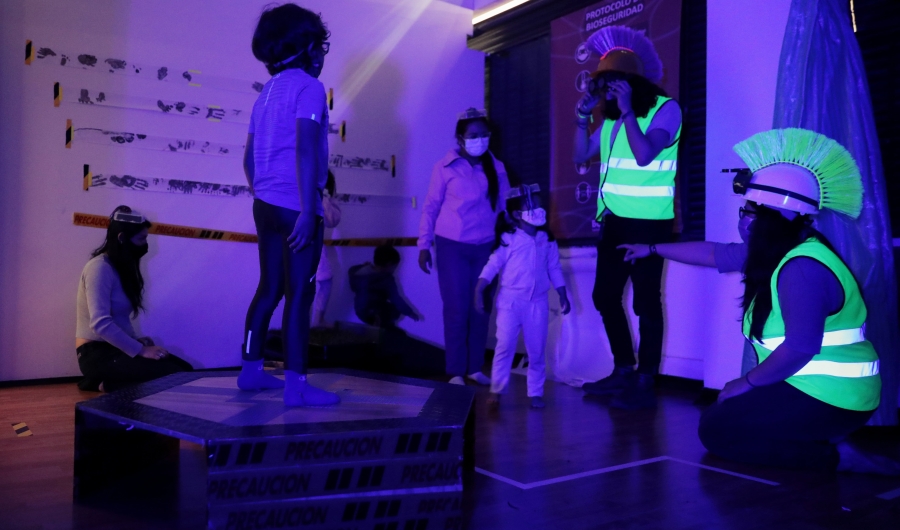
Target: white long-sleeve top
x: 527, y: 266
x: 103, y: 312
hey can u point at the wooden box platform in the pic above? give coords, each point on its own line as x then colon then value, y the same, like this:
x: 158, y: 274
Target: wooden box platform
x: 390, y: 455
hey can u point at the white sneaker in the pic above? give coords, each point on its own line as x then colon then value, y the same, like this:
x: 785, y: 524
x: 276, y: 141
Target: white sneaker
x: 480, y: 378
x: 457, y: 380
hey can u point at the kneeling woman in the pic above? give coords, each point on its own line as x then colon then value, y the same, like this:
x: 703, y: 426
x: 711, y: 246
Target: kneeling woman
x: 110, y: 293
x: 818, y: 378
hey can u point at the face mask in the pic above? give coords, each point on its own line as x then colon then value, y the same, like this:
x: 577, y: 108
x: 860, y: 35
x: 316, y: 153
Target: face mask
x: 138, y: 251
x: 536, y: 217
x: 477, y: 146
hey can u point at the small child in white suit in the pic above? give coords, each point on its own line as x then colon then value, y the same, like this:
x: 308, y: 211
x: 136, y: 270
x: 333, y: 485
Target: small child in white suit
x: 527, y: 259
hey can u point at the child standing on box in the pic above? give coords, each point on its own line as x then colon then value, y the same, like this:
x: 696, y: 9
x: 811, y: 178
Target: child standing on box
x: 527, y: 259
x: 286, y: 163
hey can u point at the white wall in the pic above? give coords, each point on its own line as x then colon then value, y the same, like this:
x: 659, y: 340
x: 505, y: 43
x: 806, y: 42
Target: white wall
x: 401, y: 72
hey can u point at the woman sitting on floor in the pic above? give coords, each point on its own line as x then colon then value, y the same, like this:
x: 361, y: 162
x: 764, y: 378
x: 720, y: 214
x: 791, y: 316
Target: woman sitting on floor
x: 110, y: 293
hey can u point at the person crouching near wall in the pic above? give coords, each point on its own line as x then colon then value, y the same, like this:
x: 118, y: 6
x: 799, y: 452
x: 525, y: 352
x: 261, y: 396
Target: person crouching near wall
x: 110, y: 294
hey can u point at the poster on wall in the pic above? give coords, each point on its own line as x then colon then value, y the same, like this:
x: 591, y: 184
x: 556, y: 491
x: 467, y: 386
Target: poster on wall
x: 573, y: 188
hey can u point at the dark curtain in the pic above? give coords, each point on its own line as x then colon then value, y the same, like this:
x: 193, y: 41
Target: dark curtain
x: 822, y: 87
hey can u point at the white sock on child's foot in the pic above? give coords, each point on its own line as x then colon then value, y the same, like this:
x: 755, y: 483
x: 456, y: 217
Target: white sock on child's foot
x: 480, y: 378
x: 254, y: 378
x: 299, y: 393
x: 457, y: 380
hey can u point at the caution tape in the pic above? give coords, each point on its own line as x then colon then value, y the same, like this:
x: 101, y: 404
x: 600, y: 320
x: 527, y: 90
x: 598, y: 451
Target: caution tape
x: 112, y: 65
x: 161, y: 229
x: 330, y: 448
x: 339, y: 130
x: 21, y: 430
x: 330, y: 99
x: 417, y: 508
x: 353, y: 478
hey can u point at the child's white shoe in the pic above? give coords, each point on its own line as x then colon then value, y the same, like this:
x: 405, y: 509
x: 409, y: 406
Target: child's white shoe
x: 457, y: 380
x: 480, y: 378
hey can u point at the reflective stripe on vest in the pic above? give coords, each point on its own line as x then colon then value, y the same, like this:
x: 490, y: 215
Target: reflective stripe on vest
x: 621, y: 177
x: 626, y: 163
x: 638, y: 191
x: 845, y: 371
x: 850, y: 370
x: 840, y: 337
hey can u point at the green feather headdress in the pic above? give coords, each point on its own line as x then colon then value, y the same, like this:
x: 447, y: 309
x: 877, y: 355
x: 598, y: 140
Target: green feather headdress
x: 840, y: 183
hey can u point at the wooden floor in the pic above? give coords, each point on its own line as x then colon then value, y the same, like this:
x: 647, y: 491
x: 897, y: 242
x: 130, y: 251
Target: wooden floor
x: 576, y: 464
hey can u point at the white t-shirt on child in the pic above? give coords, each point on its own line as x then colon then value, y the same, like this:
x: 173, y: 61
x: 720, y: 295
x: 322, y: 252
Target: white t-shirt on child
x: 290, y: 95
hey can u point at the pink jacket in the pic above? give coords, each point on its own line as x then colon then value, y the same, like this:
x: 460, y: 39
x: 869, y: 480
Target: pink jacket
x: 457, y: 206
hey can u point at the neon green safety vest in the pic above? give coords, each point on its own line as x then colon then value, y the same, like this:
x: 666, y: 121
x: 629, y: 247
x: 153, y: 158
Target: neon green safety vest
x: 845, y: 372
x: 630, y: 190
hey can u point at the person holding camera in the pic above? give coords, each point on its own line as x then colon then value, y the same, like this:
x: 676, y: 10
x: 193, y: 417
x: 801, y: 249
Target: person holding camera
x: 637, y: 141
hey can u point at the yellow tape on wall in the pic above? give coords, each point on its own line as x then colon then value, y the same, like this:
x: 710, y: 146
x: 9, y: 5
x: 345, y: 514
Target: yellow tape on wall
x: 161, y: 229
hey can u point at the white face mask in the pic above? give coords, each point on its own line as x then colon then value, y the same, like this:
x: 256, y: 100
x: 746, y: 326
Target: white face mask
x: 477, y: 146
x: 536, y: 217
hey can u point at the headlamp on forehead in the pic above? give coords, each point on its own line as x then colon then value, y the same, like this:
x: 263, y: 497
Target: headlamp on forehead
x: 739, y: 184
x: 472, y: 113
x: 128, y: 217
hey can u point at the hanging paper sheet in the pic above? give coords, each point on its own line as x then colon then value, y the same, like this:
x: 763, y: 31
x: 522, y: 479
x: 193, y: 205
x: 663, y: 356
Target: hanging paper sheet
x: 105, y: 64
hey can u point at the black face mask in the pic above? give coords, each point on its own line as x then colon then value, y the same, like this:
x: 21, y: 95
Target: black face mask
x: 137, y: 251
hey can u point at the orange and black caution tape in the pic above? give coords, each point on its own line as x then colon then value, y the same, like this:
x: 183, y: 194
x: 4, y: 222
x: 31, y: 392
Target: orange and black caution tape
x: 330, y: 99
x: 29, y: 52
x: 68, y: 134
x: 88, y: 177
x: 161, y: 229
x: 343, y: 132
x: 393, y: 166
x: 21, y: 430
x: 57, y: 94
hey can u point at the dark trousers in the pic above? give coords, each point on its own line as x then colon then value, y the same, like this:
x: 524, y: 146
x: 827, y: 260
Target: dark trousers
x: 282, y: 272
x: 779, y: 426
x: 101, y: 362
x: 465, y: 330
x: 646, y: 276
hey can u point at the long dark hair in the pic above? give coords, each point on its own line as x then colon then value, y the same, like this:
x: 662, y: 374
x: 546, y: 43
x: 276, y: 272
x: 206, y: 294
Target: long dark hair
x: 507, y: 224
x: 122, y: 258
x: 772, y: 236
x: 644, y: 96
x: 487, y: 160
x: 285, y: 31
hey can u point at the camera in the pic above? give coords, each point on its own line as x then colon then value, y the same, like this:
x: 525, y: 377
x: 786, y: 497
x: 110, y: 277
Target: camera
x: 599, y: 84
